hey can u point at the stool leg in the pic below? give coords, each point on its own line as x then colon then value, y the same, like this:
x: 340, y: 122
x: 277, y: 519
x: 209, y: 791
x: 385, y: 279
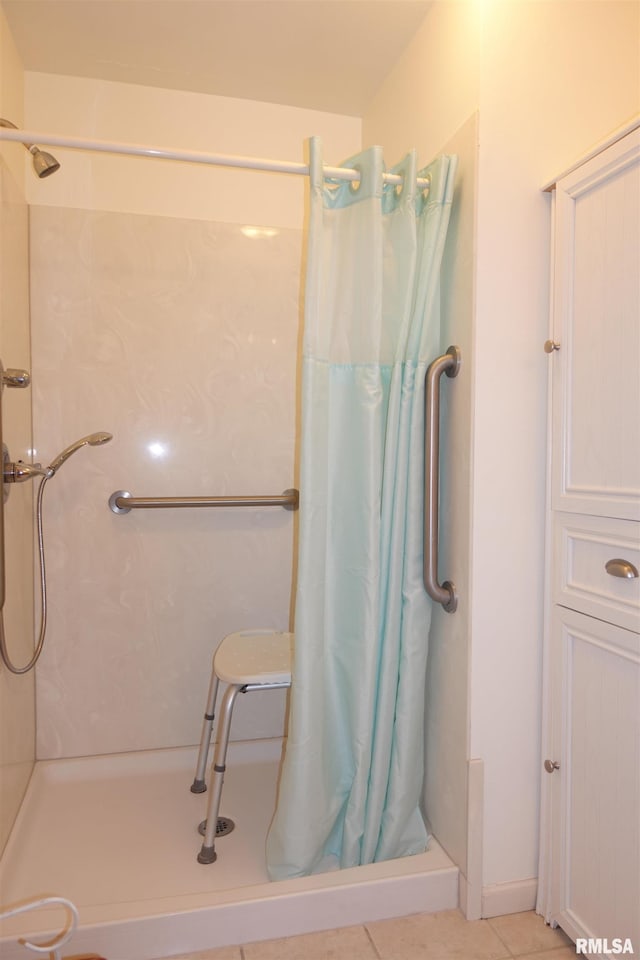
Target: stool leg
x: 199, y: 785
x: 208, y: 850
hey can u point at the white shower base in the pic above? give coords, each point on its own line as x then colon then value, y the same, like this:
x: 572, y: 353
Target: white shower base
x: 117, y: 836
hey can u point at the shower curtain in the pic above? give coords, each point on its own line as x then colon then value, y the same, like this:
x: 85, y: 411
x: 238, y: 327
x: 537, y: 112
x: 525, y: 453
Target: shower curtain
x: 353, y: 767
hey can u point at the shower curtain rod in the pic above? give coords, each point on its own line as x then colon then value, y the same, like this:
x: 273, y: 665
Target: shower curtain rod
x: 190, y: 156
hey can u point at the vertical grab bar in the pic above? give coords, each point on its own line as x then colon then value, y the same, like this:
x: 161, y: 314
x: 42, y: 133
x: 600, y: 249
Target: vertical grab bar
x: 448, y: 363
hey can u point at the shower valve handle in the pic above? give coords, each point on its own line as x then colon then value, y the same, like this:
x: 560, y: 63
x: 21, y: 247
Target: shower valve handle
x: 19, y: 472
x: 14, y: 377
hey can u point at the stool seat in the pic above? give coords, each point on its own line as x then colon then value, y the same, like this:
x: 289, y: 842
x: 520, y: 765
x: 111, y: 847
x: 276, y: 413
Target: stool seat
x: 254, y: 657
x: 246, y: 660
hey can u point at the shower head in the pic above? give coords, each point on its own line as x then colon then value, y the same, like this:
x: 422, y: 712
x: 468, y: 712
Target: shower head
x: 44, y: 163
x: 94, y: 440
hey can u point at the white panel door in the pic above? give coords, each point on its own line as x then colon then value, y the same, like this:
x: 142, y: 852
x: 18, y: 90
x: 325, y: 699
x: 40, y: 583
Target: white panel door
x: 596, y: 788
x: 596, y: 321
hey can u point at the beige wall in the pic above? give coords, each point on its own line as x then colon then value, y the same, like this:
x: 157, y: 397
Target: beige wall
x: 17, y: 714
x: 434, y: 87
x: 447, y: 780
x: 11, y: 100
x: 548, y: 80
x: 121, y: 112
x: 555, y: 78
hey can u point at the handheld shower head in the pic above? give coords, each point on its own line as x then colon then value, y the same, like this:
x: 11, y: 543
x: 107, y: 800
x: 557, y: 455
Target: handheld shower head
x: 93, y: 440
x: 44, y: 163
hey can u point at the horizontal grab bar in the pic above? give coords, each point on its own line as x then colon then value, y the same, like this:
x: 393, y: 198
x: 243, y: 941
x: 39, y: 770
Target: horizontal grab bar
x: 123, y: 502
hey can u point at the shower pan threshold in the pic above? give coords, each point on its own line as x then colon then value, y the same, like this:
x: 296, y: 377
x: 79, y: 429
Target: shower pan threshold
x: 117, y: 835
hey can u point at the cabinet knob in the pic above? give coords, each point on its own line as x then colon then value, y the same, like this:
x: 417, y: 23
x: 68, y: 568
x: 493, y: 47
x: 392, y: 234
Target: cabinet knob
x: 621, y: 568
x: 551, y: 765
x: 550, y: 346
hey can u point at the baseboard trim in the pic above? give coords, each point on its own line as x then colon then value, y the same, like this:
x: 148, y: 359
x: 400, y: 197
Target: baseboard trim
x: 470, y: 887
x: 515, y: 897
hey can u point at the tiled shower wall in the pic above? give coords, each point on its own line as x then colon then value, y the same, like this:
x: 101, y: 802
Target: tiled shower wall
x: 180, y: 337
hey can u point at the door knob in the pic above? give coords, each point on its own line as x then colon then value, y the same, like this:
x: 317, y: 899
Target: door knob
x: 550, y: 346
x: 551, y: 765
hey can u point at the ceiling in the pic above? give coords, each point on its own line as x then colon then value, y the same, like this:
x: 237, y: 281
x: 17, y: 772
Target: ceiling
x: 327, y: 55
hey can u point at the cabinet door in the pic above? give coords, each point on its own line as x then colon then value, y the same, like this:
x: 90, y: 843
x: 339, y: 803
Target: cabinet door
x: 596, y: 788
x: 596, y: 320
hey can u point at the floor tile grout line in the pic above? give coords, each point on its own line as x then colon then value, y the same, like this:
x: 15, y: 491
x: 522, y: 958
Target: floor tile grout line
x: 372, y: 941
x: 533, y: 953
x: 510, y: 954
x: 543, y: 950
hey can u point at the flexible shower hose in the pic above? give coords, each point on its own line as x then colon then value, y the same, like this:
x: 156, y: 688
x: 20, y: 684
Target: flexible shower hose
x: 4, y: 653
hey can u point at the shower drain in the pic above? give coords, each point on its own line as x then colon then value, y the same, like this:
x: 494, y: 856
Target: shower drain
x: 224, y: 826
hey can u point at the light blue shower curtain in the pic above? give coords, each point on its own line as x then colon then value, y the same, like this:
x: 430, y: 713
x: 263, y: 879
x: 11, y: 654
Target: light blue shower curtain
x: 353, y: 768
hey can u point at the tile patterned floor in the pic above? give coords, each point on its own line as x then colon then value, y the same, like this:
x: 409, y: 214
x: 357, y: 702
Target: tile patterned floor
x: 437, y: 936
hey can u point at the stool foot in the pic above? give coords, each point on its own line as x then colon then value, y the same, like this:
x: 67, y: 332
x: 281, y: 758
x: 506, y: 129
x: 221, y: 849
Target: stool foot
x: 207, y: 854
x: 198, y: 786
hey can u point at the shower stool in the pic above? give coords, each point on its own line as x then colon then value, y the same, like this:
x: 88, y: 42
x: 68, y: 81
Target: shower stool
x: 246, y: 660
